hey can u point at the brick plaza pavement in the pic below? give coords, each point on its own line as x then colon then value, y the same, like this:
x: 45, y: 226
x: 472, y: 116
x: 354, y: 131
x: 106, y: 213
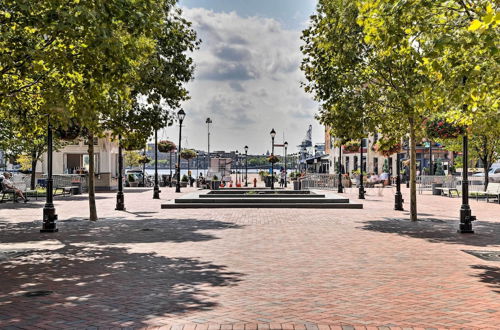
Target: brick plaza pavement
x: 248, y: 268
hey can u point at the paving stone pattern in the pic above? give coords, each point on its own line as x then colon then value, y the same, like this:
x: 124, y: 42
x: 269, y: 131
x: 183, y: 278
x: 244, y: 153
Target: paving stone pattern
x: 248, y: 268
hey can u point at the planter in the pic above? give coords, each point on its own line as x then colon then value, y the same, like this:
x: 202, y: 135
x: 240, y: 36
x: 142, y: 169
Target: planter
x: 436, y: 191
x: 267, y: 181
x: 215, y: 185
x: 184, y: 184
x: 133, y: 184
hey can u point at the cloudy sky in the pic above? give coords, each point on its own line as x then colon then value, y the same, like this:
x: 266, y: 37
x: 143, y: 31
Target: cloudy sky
x: 247, y: 77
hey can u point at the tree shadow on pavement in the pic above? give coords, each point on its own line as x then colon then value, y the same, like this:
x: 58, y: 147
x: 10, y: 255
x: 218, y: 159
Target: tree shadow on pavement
x: 117, y: 231
x: 105, y: 286
x: 437, y: 230
x: 490, y: 275
x: 91, y: 282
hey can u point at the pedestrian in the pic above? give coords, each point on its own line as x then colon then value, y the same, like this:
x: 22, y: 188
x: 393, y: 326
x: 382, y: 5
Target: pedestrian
x: 8, y: 186
x: 282, y: 180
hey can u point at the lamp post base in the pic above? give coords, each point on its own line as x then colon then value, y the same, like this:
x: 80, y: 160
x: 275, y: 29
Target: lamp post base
x: 177, y: 188
x: 340, y: 190
x: 156, y: 192
x: 49, y: 220
x: 466, y: 220
x: 120, y: 201
x: 361, y: 193
x: 398, y: 201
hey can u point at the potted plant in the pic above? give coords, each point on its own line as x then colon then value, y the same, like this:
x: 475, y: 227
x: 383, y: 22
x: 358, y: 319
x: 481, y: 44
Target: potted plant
x: 184, y: 180
x: 131, y: 179
x: 166, y: 146
x: 215, y: 183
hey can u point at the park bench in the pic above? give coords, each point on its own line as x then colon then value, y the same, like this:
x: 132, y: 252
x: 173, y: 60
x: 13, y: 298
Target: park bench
x: 493, y: 190
x: 6, y: 192
x: 448, y: 191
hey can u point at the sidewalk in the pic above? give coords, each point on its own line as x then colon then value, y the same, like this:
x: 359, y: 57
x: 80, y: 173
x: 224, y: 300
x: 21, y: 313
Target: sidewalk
x: 248, y: 268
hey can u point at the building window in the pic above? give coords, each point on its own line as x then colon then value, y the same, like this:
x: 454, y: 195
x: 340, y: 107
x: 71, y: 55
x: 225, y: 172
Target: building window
x: 375, y: 165
x: 355, y: 163
x: 347, y: 165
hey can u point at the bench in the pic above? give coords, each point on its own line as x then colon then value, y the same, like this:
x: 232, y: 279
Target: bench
x: 448, y: 191
x: 6, y: 192
x: 493, y: 190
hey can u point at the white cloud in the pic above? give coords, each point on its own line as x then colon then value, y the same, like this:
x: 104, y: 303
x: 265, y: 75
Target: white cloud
x: 247, y: 80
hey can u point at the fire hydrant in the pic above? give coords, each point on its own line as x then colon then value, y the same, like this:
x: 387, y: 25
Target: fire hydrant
x: 254, y: 182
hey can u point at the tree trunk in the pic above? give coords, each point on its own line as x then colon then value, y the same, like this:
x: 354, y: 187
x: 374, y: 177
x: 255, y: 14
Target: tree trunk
x: 34, y: 160
x: 92, y: 206
x: 413, y: 173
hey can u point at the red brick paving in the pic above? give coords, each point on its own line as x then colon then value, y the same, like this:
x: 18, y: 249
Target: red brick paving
x: 250, y: 268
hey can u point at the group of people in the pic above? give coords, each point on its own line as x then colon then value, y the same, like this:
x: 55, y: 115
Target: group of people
x: 8, y: 186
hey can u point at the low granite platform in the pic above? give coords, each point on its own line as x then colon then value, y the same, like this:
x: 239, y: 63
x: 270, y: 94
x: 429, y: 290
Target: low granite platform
x: 261, y: 198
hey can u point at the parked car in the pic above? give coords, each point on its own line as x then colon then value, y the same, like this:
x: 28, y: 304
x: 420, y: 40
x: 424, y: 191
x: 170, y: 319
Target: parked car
x: 493, y: 173
x: 133, y: 178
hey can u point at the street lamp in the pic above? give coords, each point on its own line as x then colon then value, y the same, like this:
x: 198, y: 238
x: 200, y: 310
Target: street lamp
x: 49, y: 211
x: 208, y: 122
x: 398, y: 197
x: 246, y: 166
x: 340, y: 187
x: 273, y: 134
x: 156, y: 189
x: 197, y: 168
x: 120, y: 198
x: 361, y: 193
x: 286, y: 146
x: 236, y: 166
x: 180, y: 116
x: 170, y: 165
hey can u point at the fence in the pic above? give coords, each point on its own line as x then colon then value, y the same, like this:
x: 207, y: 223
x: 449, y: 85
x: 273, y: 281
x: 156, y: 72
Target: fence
x: 424, y: 182
x: 319, y: 181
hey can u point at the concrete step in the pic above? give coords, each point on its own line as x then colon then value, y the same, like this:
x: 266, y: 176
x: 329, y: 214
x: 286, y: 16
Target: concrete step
x: 262, y: 205
x: 261, y: 196
x: 248, y: 200
x: 259, y: 191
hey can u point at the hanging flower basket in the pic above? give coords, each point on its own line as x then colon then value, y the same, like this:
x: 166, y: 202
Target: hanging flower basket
x: 133, y: 141
x: 166, y: 146
x: 273, y: 159
x: 144, y: 159
x: 188, y: 154
x: 439, y: 128
x: 351, y: 146
x: 70, y: 133
x: 387, y: 147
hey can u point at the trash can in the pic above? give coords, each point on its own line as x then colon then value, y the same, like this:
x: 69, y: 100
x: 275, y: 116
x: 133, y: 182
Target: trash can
x: 436, y: 191
x: 76, y: 188
x: 296, y: 185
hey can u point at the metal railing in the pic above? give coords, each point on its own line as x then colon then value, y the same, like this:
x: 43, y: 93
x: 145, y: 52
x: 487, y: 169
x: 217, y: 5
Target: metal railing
x: 424, y: 182
x: 319, y: 181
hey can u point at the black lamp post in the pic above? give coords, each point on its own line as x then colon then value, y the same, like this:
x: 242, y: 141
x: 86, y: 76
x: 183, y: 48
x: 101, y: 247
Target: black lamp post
x: 340, y: 186
x: 273, y: 134
x: 208, y: 122
x: 286, y: 146
x: 170, y: 165
x: 120, y: 198
x: 49, y: 211
x: 246, y: 166
x: 398, y: 197
x: 236, y: 166
x: 361, y: 193
x: 197, y: 166
x: 156, y: 189
x: 180, y: 116
x: 431, y: 167
x: 466, y: 216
